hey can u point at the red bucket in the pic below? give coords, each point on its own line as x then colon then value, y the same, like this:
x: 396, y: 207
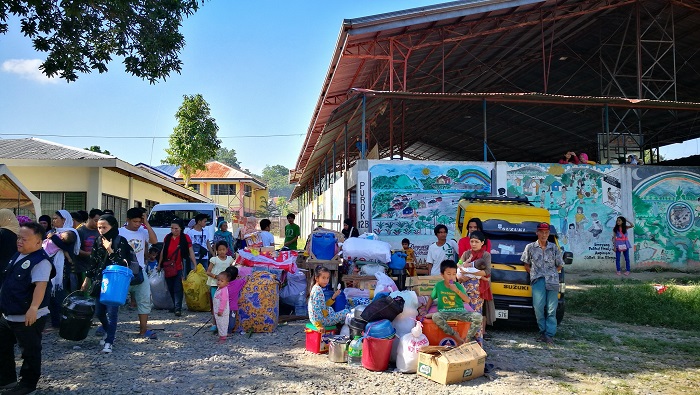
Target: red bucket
x: 376, y: 353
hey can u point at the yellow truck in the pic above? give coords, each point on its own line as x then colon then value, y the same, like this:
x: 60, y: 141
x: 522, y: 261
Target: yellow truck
x: 510, y: 224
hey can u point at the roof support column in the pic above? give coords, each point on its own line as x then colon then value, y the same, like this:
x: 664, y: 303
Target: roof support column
x: 606, y: 116
x: 345, y: 152
x: 391, y: 129
x: 363, y: 144
x: 485, y: 133
x: 403, y: 125
x: 333, y: 162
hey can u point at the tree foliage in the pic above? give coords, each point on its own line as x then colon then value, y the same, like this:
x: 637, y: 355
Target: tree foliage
x: 194, y: 140
x: 83, y: 35
x: 96, y: 148
x: 227, y: 157
x: 267, y: 208
x: 277, y: 179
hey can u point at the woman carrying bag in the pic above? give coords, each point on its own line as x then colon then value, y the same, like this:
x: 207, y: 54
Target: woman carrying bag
x: 105, y: 253
x: 171, y: 261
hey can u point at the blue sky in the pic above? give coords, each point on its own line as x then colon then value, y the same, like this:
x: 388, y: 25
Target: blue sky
x: 259, y: 65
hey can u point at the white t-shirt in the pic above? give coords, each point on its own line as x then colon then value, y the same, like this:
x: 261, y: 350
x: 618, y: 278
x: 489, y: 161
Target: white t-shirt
x: 437, y: 254
x: 268, y: 240
x: 138, y: 240
x: 199, y: 237
x: 219, y: 266
x: 40, y: 272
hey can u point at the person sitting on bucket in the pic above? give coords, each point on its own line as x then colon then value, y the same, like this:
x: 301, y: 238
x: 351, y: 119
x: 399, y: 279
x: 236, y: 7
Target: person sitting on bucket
x: 321, y: 314
x: 451, y: 296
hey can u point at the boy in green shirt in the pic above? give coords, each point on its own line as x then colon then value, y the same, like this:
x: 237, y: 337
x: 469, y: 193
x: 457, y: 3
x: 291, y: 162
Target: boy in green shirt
x: 291, y: 232
x: 451, y: 296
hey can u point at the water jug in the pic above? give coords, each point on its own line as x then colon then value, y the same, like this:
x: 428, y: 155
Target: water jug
x: 323, y: 245
x: 355, y: 352
x: 300, y: 307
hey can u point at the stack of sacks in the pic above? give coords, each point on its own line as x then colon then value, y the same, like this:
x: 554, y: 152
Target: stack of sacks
x: 404, y: 322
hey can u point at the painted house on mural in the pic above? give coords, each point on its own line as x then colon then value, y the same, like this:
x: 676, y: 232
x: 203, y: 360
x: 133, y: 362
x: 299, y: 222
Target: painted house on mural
x: 70, y: 178
x: 228, y: 186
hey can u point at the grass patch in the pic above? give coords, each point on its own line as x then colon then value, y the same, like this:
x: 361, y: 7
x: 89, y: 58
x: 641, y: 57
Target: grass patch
x: 639, y: 304
x: 652, y: 346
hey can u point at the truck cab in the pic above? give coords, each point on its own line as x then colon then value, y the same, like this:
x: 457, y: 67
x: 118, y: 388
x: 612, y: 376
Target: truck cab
x: 510, y: 224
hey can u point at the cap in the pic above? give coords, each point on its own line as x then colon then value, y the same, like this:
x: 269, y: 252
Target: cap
x: 543, y: 226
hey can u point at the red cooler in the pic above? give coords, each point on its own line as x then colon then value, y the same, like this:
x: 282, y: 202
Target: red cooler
x: 313, y: 338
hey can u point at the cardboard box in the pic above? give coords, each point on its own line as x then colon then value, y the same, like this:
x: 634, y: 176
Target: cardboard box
x: 423, y: 285
x: 447, y: 365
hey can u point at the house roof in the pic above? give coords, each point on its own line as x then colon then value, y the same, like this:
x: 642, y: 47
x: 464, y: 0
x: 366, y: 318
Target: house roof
x: 215, y: 170
x: 34, y: 148
x: 37, y: 152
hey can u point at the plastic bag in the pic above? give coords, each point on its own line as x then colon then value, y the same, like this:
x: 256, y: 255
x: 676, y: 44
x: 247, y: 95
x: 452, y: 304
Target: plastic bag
x: 410, y: 299
x: 371, y: 269
x: 367, y: 250
x: 384, y: 283
x: 386, y: 308
x: 196, y: 290
x: 296, y: 283
x: 159, y: 291
x: 403, y: 323
x: 409, y: 346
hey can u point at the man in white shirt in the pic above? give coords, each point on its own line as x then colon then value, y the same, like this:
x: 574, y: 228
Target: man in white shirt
x: 139, y: 237
x: 200, y: 242
x: 441, y: 250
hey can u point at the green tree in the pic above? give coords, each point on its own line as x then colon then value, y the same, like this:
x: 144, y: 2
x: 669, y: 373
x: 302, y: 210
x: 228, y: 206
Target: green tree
x: 283, y: 206
x: 277, y: 179
x: 267, y: 208
x: 453, y: 173
x: 83, y: 35
x: 194, y: 140
x: 227, y: 157
x: 96, y: 148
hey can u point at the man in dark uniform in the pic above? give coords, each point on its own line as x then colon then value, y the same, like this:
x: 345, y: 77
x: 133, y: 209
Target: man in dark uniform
x: 24, y: 301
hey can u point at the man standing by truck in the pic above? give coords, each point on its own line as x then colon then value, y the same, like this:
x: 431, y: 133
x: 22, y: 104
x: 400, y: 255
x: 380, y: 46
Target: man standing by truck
x: 543, y: 261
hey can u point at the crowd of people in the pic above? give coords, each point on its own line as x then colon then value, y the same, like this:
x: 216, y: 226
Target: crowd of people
x: 570, y: 158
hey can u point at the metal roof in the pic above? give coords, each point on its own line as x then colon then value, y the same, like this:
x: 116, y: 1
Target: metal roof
x: 34, y: 148
x: 565, y: 58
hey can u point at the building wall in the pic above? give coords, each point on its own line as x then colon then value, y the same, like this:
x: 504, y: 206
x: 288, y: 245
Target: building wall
x: 93, y: 181
x: 583, y: 200
x: 238, y: 202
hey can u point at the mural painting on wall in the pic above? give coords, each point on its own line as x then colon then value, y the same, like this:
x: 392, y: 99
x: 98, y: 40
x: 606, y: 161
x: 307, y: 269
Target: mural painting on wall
x: 409, y: 199
x: 667, y: 213
x: 583, y: 202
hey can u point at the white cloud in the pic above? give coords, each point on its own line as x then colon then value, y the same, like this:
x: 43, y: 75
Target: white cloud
x: 27, y: 69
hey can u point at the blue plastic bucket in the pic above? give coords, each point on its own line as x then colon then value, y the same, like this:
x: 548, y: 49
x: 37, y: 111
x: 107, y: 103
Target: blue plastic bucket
x: 115, y: 285
x: 398, y: 260
x: 323, y: 245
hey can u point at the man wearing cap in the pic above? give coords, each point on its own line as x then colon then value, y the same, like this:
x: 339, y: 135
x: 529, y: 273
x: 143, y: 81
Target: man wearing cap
x: 543, y: 261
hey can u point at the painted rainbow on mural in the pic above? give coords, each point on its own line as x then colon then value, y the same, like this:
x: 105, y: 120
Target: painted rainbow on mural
x: 673, y: 177
x: 474, y: 173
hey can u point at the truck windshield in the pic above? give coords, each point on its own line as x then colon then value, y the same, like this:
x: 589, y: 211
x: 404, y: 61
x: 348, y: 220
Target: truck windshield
x: 162, y: 219
x: 508, y: 249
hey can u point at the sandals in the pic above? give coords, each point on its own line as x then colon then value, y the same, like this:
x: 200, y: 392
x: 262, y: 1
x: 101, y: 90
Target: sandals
x: 150, y: 335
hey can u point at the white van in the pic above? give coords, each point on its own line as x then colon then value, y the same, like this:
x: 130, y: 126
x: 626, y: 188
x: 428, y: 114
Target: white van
x: 162, y: 215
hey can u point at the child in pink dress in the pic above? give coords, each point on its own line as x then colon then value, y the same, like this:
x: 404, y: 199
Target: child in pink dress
x: 221, y: 305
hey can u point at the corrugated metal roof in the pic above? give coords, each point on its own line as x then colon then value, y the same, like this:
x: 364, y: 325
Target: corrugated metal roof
x: 33, y: 148
x: 513, y: 46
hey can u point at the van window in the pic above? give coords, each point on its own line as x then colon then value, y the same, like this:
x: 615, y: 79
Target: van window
x: 162, y: 219
x: 461, y: 213
x: 508, y: 248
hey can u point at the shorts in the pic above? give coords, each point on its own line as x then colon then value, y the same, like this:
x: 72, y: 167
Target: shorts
x: 142, y: 295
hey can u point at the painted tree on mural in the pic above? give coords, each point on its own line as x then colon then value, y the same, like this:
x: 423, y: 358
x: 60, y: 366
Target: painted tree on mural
x: 452, y: 173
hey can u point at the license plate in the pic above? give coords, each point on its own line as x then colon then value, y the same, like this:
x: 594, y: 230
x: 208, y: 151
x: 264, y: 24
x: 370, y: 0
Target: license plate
x: 502, y: 314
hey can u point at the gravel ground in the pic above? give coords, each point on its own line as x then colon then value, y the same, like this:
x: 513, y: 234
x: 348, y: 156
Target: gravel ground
x: 590, y: 356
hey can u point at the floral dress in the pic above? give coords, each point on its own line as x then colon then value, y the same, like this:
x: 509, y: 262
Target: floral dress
x: 320, y: 313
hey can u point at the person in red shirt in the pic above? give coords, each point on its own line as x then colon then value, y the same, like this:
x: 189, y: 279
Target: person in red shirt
x: 171, y: 261
x: 473, y: 225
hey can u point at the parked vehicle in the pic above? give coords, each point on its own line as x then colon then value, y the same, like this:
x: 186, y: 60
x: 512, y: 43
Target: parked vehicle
x: 162, y: 214
x: 510, y: 224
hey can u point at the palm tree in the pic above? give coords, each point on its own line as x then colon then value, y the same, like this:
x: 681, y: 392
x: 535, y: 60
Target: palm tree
x: 433, y: 215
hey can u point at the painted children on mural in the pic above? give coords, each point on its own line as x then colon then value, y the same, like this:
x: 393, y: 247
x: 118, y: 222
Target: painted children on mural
x: 621, y: 243
x: 596, y: 226
x: 580, y: 218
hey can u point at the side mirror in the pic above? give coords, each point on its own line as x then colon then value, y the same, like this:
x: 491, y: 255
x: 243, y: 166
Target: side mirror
x: 568, y: 258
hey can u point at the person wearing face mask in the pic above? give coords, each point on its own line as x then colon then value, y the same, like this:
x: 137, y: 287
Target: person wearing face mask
x: 105, y: 253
